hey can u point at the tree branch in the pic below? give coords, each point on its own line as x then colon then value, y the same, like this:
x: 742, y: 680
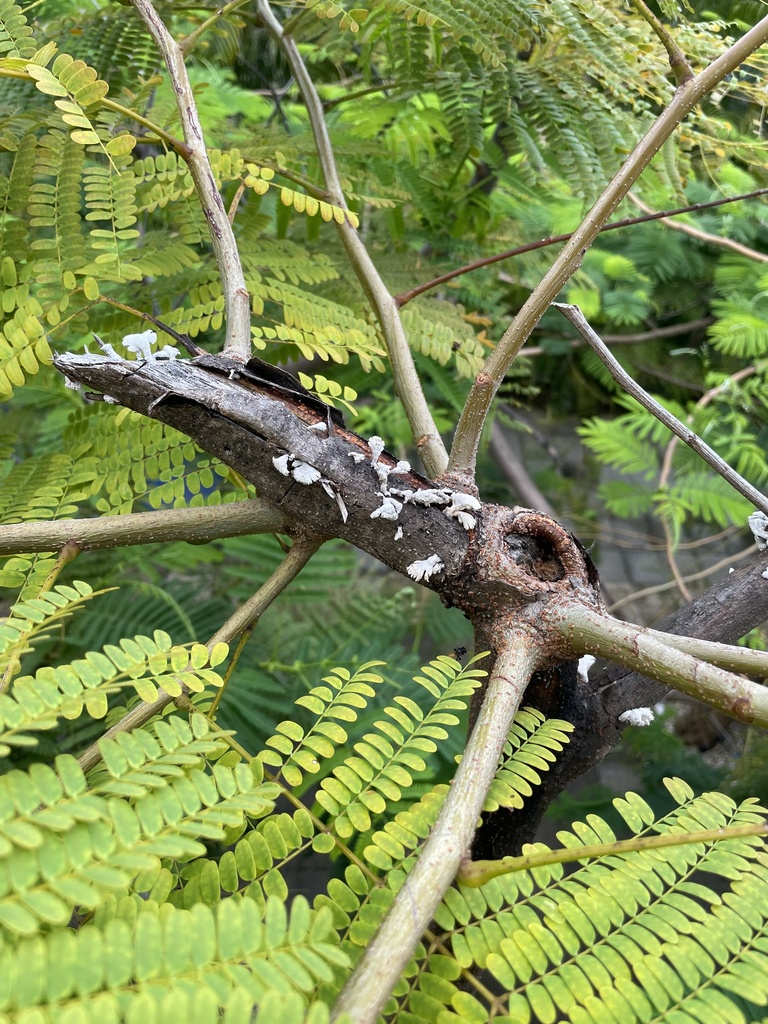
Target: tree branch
x: 238, y: 313
x: 644, y: 651
x: 678, y: 62
x: 407, y: 382
x: 297, y: 557
x: 467, y: 437
x: 385, y: 958
x: 574, y: 315
x: 196, y: 525
x: 404, y: 297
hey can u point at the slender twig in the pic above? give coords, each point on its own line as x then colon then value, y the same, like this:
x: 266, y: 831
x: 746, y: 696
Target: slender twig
x: 286, y: 572
x: 590, y: 632
x: 703, y: 236
x: 238, y: 331
x: 407, y: 383
x: 678, y: 62
x: 543, y: 243
x: 478, y: 872
x: 182, y: 339
x: 574, y: 315
x: 196, y: 525
x: 382, y: 963
x: 483, y: 391
x: 638, y: 338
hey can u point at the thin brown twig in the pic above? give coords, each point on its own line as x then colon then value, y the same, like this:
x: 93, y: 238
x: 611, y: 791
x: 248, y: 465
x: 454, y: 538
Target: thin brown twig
x: 703, y: 236
x: 659, y: 588
x: 627, y: 222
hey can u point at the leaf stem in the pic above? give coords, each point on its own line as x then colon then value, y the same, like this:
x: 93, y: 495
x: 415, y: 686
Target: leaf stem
x: 467, y: 437
x: 238, y: 331
x: 478, y: 872
x: 574, y: 315
x: 385, y: 958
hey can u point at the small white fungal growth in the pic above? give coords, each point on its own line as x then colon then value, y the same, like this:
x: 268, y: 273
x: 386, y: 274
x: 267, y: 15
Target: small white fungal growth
x: 377, y: 447
x: 280, y: 462
x: 141, y: 344
x: 764, y: 574
x: 390, y: 508
x: 460, y: 503
x: 425, y: 569
x: 758, y: 524
x: 399, y: 533
x: 637, y: 716
x: 110, y: 400
x: 356, y: 456
x: 73, y: 385
x: 429, y: 496
x: 321, y: 426
x: 585, y: 664
x: 142, y: 347
x: 304, y: 473
x: 402, y: 467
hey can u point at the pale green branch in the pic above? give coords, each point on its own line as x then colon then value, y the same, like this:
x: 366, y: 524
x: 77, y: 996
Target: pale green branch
x: 196, y: 525
x: 238, y: 312
x: 590, y: 632
x: 467, y: 438
x: 381, y: 965
x: 407, y: 382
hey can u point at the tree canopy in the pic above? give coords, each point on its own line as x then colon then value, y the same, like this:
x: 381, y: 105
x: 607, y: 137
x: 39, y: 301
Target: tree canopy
x: 291, y: 293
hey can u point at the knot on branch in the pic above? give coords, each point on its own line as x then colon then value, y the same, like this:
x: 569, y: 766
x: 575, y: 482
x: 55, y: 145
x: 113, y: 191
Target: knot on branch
x: 519, y: 557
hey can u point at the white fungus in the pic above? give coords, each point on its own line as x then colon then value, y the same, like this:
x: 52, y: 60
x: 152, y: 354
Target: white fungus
x: 377, y: 447
x: 637, y: 716
x: 425, y: 569
x: 321, y: 426
x: 399, y: 533
x: 280, y: 462
x: 356, y: 456
x: 585, y: 664
x: 390, y: 508
x: 304, y: 473
x: 429, y: 496
x: 460, y: 502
